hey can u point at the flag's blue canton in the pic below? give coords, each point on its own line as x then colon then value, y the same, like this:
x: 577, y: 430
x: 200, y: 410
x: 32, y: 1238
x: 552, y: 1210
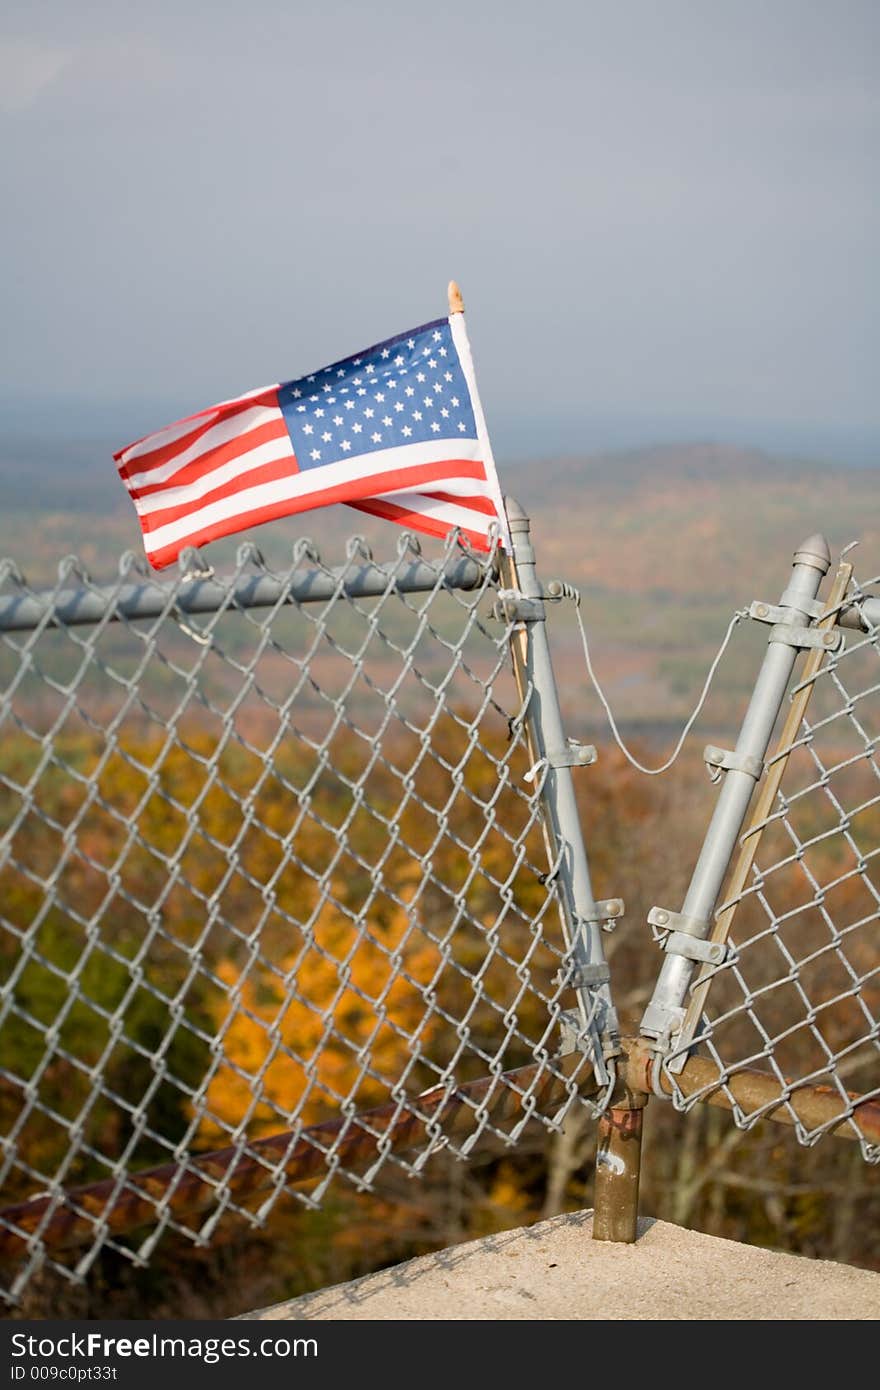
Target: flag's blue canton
x: 405, y: 391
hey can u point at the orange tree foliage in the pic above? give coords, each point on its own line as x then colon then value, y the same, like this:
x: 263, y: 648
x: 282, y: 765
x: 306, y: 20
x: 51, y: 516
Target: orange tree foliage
x: 336, y: 1019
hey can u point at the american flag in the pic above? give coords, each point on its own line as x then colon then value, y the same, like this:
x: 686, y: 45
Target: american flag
x: 396, y: 430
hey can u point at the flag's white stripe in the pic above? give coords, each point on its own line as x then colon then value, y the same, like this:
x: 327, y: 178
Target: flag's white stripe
x: 273, y: 449
x: 247, y: 395
x: 222, y: 433
x: 400, y: 456
x: 167, y: 436
x: 455, y: 483
x: 270, y: 452
x: 449, y: 513
x: 460, y: 338
x: 314, y: 480
x: 184, y: 427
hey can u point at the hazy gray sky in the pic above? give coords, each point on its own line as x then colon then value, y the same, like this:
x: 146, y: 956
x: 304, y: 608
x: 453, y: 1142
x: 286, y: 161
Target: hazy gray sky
x: 656, y: 210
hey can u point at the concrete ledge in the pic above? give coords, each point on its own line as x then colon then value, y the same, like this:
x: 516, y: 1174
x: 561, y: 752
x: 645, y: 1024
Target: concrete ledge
x: 555, y: 1270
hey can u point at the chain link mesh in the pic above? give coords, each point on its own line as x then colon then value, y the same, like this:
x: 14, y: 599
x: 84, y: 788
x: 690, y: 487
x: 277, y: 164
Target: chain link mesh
x: 271, y: 884
x: 798, y: 995
x: 276, y: 909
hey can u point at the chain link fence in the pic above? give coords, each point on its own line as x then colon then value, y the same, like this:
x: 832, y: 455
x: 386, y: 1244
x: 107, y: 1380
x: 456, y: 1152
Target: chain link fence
x: 796, y: 994
x: 276, y: 908
x: 293, y: 890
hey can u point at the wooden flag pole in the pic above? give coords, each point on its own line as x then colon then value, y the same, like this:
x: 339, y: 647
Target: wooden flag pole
x: 463, y: 347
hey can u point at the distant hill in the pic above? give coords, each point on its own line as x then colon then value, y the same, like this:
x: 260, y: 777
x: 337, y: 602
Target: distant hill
x: 663, y: 542
x: 657, y: 519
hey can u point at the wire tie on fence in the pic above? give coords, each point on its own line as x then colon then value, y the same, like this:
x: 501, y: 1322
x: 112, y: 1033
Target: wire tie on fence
x: 569, y: 591
x: 511, y: 606
x: 200, y: 637
x: 535, y: 769
x: 193, y: 565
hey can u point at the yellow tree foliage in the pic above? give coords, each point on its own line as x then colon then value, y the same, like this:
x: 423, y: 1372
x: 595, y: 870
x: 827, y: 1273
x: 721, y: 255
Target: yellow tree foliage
x: 338, y: 1017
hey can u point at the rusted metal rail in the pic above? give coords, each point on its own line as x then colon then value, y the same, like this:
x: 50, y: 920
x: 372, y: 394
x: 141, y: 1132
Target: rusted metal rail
x: 619, y: 1147
x: 816, y: 1107
x: 355, y: 1143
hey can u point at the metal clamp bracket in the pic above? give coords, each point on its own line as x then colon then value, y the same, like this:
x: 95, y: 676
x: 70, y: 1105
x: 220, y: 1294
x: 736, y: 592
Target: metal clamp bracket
x: 679, y: 943
x: 782, y: 612
x: 727, y: 761
x: 511, y: 606
x: 676, y: 921
x: 573, y: 1037
x: 574, y: 754
x: 583, y: 976
x: 571, y: 1034
x: 813, y: 606
x: 606, y: 910
x: 794, y: 636
x: 685, y: 936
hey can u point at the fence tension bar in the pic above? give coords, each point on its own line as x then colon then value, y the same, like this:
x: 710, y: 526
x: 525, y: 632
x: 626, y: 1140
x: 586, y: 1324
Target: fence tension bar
x: 665, y: 1015
x: 536, y: 684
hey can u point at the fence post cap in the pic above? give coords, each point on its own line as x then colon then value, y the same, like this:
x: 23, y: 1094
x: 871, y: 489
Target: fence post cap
x: 515, y: 510
x: 814, y: 551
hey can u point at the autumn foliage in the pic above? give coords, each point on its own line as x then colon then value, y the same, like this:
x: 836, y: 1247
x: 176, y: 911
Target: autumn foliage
x: 235, y: 951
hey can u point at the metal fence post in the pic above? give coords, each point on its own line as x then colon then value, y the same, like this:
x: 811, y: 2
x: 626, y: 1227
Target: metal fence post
x: 582, y: 916
x: 619, y: 1158
x: 764, y: 803
x: 684, y: 933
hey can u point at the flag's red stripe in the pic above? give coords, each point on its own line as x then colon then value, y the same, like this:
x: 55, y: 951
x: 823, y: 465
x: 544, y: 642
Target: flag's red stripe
x: 224, y: 453
x: 202, y: 417
x: 228, y: 527
x: 290, y: 506
x: 243, y: 521
x: 417, y: 521
x: 204, y: 421
x: 412, y: 478
x: 271, y: 472
x: 471, y: 504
